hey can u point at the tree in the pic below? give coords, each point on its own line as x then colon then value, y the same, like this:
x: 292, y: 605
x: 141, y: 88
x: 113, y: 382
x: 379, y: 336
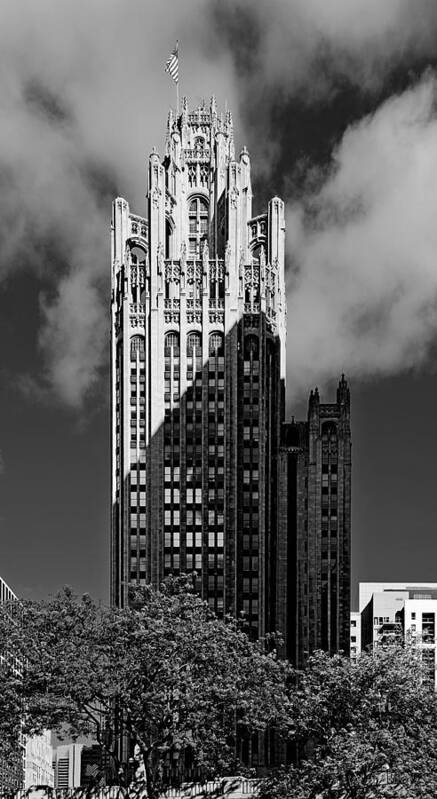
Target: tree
x: 165, y: 672
x: 361, y: 731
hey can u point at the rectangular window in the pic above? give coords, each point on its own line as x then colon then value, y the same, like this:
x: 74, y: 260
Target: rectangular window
x: 428, y: 628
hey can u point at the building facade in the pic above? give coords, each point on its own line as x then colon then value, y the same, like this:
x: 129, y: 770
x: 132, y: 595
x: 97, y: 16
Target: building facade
x: 67, y: 764
x: 355, y: 635
x: 198, y: 374
x: 38, y: 768
x: 31, y: 764
x: 12, y: 767
x: 314, y: 529
x: 401, y: 612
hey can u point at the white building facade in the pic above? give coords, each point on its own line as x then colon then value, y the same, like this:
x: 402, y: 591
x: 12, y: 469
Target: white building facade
x: 67, y: 763
x: 399, y: 612
x: 38, y: 768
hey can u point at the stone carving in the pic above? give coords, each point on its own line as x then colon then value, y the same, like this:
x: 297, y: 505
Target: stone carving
x: 137, y: 320
x: 234, y: 196
x: 171, y: 317
x: 194, y: 317
x: 156, y: 197
x: 172, y: 272
x: 251, y: 276
x: 138, y: 276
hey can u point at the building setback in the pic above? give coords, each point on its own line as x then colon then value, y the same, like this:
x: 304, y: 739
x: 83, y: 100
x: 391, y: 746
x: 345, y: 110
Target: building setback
x: 314, y: 527
x: 198, y: 374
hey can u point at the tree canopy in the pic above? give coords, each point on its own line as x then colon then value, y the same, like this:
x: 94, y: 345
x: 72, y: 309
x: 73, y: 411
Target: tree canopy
x: 165, y: 673
x: 361, y: 730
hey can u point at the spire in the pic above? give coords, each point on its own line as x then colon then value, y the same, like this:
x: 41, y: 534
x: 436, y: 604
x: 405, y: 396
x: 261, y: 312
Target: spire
x: 343, y: 392
x: 313, y: 402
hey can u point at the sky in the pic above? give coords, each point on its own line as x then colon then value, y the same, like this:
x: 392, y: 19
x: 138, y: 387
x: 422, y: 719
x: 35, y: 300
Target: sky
x: 336, y: 102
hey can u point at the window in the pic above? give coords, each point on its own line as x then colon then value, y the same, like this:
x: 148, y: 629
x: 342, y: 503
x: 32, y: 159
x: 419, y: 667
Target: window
x: 194, y: 345
x: 215, y: 344
x: 197, y: 225
x: 171, y: 342
x: 136, y: 344
x: 428, y: 627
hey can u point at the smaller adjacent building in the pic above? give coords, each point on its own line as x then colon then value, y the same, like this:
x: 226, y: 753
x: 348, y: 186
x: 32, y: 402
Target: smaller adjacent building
x: 391, y: 612
x: 314, y: 529
x: 80, y: 765
x: 38, y: 768
x: 67, y: 760
x: 355, y: 635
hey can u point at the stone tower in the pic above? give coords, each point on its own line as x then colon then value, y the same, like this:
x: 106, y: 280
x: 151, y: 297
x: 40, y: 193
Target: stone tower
x: 314, y: 529
x: 198, y: 374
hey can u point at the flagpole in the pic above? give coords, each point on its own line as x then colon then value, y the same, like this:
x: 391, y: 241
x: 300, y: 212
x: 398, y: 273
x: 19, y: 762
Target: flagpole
x: 172, y: 67
x: 177, y: 82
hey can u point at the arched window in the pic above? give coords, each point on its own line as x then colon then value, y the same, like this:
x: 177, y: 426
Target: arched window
x: 256, y: 252
x: 171, y: 342
x: 138, y: 256
x: 199, y: 143
x: 194, y: 345
x: 197, y: 226
x: 329, y: 431
x: 216, y: 344
x: 137, y: 344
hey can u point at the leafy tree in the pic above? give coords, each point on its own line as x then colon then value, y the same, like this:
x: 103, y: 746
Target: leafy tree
x: 361, y: 731
x: 164, y: 673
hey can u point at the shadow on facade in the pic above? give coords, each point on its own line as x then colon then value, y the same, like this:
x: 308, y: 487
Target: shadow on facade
x: 200, y: 493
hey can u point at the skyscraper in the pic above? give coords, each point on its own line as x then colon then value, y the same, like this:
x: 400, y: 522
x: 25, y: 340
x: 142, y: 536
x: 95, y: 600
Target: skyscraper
x: 198, y: 374
x: 314, y: 529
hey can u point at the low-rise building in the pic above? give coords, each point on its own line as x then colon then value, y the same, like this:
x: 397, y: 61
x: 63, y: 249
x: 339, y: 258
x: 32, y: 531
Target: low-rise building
x: 391, y: 612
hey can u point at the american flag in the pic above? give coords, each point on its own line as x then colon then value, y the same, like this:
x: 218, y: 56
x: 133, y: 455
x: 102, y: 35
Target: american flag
x: 172, y: 65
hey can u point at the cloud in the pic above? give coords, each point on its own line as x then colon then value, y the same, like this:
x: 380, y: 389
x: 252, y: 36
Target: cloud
x: 306, y: 46
x: 83, y: 98
x: 362, y: 297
